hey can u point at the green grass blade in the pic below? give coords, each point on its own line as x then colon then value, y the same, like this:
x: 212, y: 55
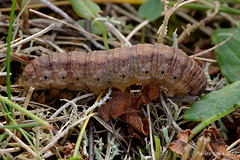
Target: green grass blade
x: 8, y: 52
x: 104, y: 32
x: 27, y: 125
x: 26, y: 112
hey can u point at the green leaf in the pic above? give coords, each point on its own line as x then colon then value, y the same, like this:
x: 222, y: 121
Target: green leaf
x: 93, y: 28
x: 228, y: 56
x: 150, y: 10
x: 85, y: 8
x: 157, y: 147
x: 238, y: 25
x: 215, y: 105
x: 221, y: 30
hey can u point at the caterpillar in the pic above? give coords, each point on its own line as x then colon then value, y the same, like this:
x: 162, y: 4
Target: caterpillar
x: 171, y: 68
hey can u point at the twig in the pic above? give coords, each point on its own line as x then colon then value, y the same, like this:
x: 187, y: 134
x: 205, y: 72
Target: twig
x: 118, y: 34
x: 169, y: 116
x: 99, y: 102
x: 207, y: 30
x: 128, y: 149
x: 91, y: 140
x: 67, y: 104
x: 216, y: 46
x: 72, y: 26
x: 141, y: 25
x: 233, y: 144
x: 30, y: 37
x: 126, y: 13
x: 61, y: 134
x: 162, y: 32
x: 66, y: 16
x: 12, y: 42
x: 19, y: 141
x: 54, y: 45
x: 205, y: 59
x: 109, y: 128
x: 150, y: 132
x: 67, y: 2
x: 130, y: 8
x: 107, y: 155
x: 22, y: 10
x: 29, y: 95
x: 74, y: 43
x: 190, y: 28
x: 8, y: 150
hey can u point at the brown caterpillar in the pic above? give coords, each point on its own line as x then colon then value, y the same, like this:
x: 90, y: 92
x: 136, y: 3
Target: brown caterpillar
x: 169, y: 67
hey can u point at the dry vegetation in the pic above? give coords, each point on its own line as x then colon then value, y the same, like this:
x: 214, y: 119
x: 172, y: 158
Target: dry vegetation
x: 44, y: 29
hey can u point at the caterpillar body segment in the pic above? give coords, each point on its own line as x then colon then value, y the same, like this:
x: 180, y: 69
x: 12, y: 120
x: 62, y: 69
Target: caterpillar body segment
x: 169, y: 67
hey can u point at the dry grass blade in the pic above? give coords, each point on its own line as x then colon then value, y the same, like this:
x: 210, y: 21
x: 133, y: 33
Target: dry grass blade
x: 150, y: 132
x: 20, y: 142
x: 169, y: 115
x: 62, y: 133
x: 27, y: 99
x: 213, y: 48
x: 30, y: 37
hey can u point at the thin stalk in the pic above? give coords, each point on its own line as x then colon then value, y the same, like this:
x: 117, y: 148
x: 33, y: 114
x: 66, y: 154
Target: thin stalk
x: 104, y: 32
x: 26, y: 112
x: 143, y: 37
x: 205, y: 123
x: 2, y: 136
x: 26, y: 125
x: 26, y: 135
x: 77, y: 146
x: 8, y: 52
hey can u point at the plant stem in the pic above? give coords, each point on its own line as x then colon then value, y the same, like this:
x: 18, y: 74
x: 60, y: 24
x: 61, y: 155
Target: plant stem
x: 83, y: 130
x: 102, y: 29
x: 8, y: 52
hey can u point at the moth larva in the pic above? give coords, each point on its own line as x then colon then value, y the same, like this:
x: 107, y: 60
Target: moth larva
x: 169, y: 67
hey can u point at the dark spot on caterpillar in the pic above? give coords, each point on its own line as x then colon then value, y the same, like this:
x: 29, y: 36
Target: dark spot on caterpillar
x: 77, y: 79
x: 190, y: 92
x: 63, y: 77
x: 45, y: 77
x: 97, y: 79
x: 174, y: 77
x: 123, y: 76
x: 146, y: 72
x: 162, y: 72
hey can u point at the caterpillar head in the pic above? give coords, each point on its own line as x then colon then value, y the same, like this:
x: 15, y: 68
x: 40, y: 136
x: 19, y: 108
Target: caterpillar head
x: 27, y: 77
x: 31, y: 78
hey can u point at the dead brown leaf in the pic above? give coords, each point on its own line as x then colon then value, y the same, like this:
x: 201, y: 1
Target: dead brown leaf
x: 178, y: 145
x: 217, y: 145
x: 149, y: 92
x: 116, y: 106
x: 122, y: 104
x: 132, y: 117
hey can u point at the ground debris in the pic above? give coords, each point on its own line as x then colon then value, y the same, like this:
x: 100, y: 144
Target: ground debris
x: 122, y: 104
